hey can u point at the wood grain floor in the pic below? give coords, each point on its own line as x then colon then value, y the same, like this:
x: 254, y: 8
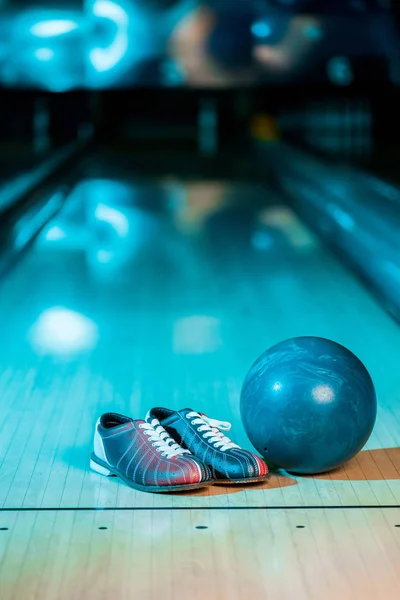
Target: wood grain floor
x: 143, y: 294
x: 223, y: 554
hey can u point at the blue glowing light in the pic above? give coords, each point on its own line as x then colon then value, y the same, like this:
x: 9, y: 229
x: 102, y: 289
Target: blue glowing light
x: 59, y: 331
x: 55, y: 234
x: 261, y: 29
x: 53, y: 28
x: 114, y: 217
x: 104, y: 59
x: 343, y: 218
x: 340, y: 71
x: 261, y: 240
x: 104, y: 257
x: 44, y: 54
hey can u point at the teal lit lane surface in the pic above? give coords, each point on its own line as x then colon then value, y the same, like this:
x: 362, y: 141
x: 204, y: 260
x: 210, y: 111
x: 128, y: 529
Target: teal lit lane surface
x: 144, y: 293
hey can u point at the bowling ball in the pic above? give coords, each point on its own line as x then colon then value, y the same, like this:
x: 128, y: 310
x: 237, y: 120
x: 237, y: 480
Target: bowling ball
x: 308, y: 405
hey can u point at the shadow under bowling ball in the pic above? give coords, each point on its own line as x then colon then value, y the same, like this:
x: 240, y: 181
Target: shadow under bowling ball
x: 275, y: 481
x: 368, y: 465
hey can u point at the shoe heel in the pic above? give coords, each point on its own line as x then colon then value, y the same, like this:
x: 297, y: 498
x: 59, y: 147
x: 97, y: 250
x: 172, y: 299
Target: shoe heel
x: 99, y: 469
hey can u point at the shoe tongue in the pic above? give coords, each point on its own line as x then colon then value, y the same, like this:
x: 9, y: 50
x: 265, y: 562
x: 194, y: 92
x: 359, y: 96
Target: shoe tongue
x: 155, y: 413
x: 182, y: 413
x: 150, y: 418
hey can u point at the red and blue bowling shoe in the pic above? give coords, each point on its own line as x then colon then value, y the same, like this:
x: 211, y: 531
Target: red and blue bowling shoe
x: 144, y: 456
x: 205, y: 439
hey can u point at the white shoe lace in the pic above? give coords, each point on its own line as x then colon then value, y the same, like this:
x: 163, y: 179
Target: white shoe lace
x: 162, y: 442
x: 211, y: 430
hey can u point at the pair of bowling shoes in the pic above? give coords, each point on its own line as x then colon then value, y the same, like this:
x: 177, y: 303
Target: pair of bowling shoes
x: 172, y: 451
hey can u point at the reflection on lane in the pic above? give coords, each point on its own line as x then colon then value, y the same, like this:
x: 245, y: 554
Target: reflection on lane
x: 103, y: 222
x: 114, y: 238
x: 62, y: 332
x: 282, y: 219
x: 111, y: 221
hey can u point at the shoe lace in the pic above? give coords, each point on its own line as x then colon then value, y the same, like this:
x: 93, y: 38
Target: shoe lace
x: 162, y: 442
x: 211, y: 430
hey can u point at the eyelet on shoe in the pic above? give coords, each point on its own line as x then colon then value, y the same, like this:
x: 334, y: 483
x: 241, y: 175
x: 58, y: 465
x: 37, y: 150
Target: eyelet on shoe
x: 192, y: 423
x: 140, y: 426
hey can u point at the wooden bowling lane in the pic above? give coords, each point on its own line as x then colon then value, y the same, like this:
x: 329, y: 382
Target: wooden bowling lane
x: 224, y: 554
x: 163, y: 293
x: 144, y: 293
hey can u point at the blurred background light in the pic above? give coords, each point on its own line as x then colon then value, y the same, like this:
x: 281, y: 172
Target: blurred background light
x: 261, y: 29
x: 53, y: 28
x: 114, y: 217
x: 109, y: 43
x: 44, y: 54
x: 104, y: 257
x: 261, y: 240
x: 340, y: 71
x: 104, y: 59
x: 313, y: 32
x: 55, y: 233
x: 59, y: 331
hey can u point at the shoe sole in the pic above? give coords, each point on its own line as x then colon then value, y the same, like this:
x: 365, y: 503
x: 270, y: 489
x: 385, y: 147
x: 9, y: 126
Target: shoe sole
x: 102, y: 468
x: 241, y: 481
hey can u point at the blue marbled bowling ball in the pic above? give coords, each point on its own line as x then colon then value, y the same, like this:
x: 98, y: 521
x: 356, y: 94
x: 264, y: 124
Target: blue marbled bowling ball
x: 308, y: 405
